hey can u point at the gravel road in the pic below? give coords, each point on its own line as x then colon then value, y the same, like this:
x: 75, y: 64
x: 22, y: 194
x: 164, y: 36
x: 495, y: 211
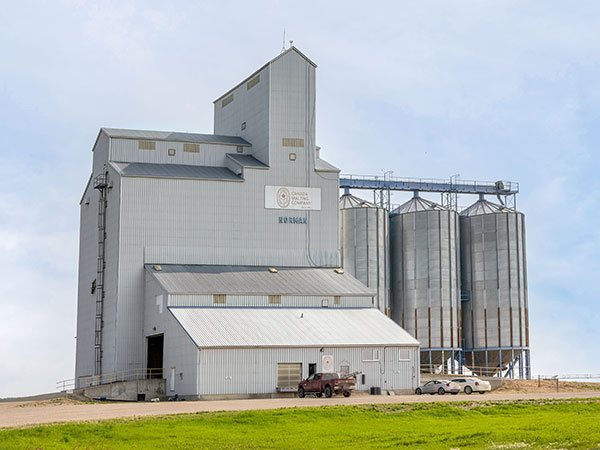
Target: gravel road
x: 17, y: 414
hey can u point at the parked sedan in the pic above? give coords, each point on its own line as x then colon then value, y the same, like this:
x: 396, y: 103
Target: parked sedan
x: 469, y: 385
x: 438, y: 387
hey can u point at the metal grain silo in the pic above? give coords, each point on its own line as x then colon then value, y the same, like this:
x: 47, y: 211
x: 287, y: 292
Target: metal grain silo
x: 425, y: 276
x: 494, y: 286
x: 364, y: 245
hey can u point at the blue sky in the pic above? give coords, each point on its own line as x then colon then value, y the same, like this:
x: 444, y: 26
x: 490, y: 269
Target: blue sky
x: 487, y: 89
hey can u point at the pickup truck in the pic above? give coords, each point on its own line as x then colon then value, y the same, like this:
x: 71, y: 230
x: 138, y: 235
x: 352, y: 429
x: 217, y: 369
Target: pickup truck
x: 326, y: 383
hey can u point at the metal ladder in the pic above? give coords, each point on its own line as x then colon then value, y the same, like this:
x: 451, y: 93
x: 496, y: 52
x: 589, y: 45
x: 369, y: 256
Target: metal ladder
x: 100, y: 183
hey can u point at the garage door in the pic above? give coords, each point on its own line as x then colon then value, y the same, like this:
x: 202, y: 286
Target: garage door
x: 289, y: 375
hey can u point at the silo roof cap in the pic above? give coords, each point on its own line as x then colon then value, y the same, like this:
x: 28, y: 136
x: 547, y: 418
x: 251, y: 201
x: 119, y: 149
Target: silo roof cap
x: 484, y: 207
x: 417, y: 204
x: 350, y: 201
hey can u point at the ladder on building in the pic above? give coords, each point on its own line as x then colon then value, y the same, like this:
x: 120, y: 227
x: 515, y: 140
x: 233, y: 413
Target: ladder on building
x: 100, y: 183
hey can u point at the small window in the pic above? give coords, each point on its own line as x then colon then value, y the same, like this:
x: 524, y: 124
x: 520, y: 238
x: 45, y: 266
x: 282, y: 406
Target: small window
x: 226, y: 101
x: 292, y: 157
x: 146, y: 145
x: 324, y: 303
x: 243, y: 126
x: 240, y: 149
x: 292, y: 142
x: 370, y: 355
x: 171, y: 152
x: 274, y: 299
x: 219, y: 299
x: 253, y: 82
x: 404, y: 355
x: 191, y: 148
x: 336, y: 300
x: 344, y: 370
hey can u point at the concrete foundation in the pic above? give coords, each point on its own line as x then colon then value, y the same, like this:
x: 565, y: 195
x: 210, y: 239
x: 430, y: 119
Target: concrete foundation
x: 134, y: 390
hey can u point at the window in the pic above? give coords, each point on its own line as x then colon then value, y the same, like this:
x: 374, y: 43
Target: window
x: 404, y: 355
x: 171, y: 152
x: 274, y: 299
x: 146, y: 145
x: 292, y: 142
x: 345, y: 370
x: 253, y: 82
x: 191, y: 148
x: 219, y: 299
x: 370, y: 355
x: 292, y: 157
x: 324, y: 303
x: 240, y: 149
x: 336, y: 300
x: 226, y: 101
x: 289, y: 375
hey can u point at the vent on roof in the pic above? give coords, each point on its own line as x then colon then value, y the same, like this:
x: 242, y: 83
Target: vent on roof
x: 253, y: 82
x: 157, y: 267
x: 226, y: 101
x: 146, y: 145
x: 292, y: 142
x: 243, y: 126
x: 340, y: 271
x: 191, y: 148
x: 272, y: 270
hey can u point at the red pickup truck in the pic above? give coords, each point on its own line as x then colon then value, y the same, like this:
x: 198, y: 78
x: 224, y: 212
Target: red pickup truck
x: 326, y: 383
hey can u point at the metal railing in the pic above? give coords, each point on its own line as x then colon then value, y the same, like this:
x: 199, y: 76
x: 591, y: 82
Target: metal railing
x: 107, y: 378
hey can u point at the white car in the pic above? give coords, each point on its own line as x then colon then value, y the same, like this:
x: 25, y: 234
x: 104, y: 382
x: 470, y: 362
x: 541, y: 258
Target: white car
x: 469, y: 385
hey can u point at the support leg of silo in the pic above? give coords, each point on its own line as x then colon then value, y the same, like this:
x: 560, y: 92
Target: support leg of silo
x: 512, y: 361
x: 452, y: 363
x: 521, y: 364
x: 430, y: 368
x: 527, y: 364
x: 487, y: 371
x: 500, y: 365
x: 444, y: 370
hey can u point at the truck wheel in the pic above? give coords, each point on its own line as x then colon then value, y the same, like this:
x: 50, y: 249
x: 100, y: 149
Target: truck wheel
x: 468, y: 390
x: 301, y: 393
x: 346, y: 393
x: 328, y: 391
x: 441, y: 391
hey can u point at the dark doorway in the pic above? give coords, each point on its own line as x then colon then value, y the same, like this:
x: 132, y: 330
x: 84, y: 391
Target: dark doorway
x: 155, y: 356
x: 312, y: 368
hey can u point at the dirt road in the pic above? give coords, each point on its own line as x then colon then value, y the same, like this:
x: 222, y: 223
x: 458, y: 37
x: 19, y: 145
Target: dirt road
x: 16, y: 414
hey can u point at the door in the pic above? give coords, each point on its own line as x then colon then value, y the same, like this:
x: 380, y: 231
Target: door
x: 312, y: 368
x: 155, y: 356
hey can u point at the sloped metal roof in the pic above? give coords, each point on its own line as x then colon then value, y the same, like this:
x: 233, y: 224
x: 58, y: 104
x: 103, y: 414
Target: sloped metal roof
x: 323, y: 166
x: 417, y: 204
x: 249, y: 280
x: 138, y: 169
x: 350, y: 201
x: 484, y: 207
x: 290, y: 327
x: 175, y: 136
x: 247, y: 161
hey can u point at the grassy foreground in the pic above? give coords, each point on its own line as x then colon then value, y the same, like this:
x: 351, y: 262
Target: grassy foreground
x: 550, y: 424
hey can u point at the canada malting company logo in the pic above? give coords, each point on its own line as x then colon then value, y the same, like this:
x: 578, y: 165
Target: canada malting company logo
x: 283, y: 197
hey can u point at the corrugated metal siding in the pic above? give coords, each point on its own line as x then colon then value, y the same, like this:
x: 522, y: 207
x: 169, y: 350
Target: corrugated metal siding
x: 245, y: 280
x: 254, y: 371
x: 179, y: 351
x: 287, y: 301
x: 212, y: 155
x: 289, y: 327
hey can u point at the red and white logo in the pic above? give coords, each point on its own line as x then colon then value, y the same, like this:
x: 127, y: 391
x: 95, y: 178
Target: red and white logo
x: 283, y: 197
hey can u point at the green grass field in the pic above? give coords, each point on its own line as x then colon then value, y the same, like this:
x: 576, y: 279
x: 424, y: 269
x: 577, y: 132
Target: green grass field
x: 549, y: 424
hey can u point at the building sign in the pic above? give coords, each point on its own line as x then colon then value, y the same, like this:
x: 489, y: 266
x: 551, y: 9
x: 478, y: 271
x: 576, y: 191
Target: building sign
x: 327, y: 363
x: 289, y: 197
x: 293, y: 220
